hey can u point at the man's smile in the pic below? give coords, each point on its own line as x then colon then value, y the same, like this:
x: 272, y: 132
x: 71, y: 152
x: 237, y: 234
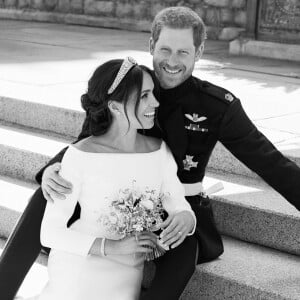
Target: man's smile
x: 170, y: 71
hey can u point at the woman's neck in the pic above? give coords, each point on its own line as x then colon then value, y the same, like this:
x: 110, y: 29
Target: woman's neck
x: 120, y: 139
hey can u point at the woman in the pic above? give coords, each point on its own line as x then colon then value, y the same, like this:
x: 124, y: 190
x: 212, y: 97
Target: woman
x: 87, y: 261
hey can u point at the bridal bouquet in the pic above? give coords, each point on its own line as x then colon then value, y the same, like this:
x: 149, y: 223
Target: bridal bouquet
x: 134, y: 211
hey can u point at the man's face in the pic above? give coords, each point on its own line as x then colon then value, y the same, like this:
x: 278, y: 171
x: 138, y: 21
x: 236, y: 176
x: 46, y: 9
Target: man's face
x: 174, y: 56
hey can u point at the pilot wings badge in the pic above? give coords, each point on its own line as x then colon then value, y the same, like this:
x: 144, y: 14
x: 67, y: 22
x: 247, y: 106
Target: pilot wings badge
x: 195, y: 118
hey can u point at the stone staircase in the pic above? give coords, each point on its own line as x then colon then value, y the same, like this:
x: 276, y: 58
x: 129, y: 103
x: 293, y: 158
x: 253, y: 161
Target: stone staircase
x: 261, y: 229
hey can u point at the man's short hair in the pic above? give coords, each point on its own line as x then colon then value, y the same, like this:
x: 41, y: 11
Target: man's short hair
x: 179, y: 17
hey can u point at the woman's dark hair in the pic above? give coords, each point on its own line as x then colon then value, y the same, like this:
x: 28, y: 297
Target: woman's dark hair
x: 95, y: 100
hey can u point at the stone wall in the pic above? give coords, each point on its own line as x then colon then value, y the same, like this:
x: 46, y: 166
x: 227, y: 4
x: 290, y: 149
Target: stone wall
x: 224, y: 18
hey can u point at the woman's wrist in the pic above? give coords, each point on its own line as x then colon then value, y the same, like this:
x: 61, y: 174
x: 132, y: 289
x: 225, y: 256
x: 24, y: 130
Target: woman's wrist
x: 103, y: 247
x: 111, y: 247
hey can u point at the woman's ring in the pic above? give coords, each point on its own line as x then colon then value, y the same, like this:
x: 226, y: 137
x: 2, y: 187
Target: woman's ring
x: 179, y: 232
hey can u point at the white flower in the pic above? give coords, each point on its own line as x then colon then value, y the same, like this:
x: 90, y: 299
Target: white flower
x: 138, y: 227
x: 147, y: 203
x: 113, y: 219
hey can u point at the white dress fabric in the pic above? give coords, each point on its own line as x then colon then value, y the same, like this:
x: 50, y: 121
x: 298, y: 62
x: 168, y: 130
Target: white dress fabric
x: 74, y: 274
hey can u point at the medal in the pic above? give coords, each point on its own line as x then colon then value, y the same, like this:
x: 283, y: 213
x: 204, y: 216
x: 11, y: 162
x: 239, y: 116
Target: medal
x: 188, y: 163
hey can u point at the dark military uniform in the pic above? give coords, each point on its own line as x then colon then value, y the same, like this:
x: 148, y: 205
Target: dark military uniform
x: 197, y: 114
x: 192, y: 118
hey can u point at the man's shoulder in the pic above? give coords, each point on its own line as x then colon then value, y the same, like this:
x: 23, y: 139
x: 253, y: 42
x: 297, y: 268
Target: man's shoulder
x: 214, y: 94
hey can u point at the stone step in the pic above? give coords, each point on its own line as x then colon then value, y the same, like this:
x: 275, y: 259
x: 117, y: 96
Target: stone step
x: 244, y: 271
x: 250, y: 210
x: 15, y: 195
x: 222, y: 161
x: 246, y: 209
x: 67, y: 121
x: 52, y: 118
x: 24, y: 152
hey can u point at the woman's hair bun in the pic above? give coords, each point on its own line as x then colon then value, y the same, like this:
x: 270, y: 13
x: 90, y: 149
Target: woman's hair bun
x: 86, y: 102
x: 97, y: 115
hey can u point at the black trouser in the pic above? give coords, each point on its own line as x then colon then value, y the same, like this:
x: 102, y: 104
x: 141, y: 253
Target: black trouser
x: 22, y: 247
x: 173, y: 270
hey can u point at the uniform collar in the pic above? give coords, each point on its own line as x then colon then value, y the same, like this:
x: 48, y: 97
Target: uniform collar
x: 176, y: 94
x: 170, y: 116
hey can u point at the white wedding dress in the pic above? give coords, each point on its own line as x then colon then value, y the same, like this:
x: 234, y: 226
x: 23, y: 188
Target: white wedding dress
x: 74, y: 274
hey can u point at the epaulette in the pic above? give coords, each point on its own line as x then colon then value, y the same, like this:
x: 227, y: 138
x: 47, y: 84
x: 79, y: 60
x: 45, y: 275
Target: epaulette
x: 217, y: 92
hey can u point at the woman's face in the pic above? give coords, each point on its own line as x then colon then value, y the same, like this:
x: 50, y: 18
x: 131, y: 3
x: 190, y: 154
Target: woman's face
x: 146, y: 108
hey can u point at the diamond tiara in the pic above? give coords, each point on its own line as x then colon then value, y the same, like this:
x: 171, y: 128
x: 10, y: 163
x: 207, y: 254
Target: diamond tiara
x: 127, y: 64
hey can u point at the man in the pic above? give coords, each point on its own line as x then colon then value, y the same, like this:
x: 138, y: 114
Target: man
x: 193, y: 115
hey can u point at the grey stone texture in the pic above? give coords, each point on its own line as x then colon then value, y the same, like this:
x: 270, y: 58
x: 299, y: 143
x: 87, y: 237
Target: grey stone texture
x: 94, y: 7
x: 218, y: 3
x: 10, y: 3
x: 240, y: 18
x: 141, y: 10
x: 246, y: 272
x: 8, y: 220
x: 265, y: 49
x: 79, y: 19
x: 34, y: 115
x: 124, y: 10
x: 21, y: 164
x: 212, y: 17
x: 38, y: 4
x: 217, y: 14
x: 238, y: 3
x: 226, y: 15
x: 24, y: 4
x: 196, y: 2
x: 76, y: 6
x: 201, y: 11
x: 50, y: 5
x: 63, y: 6
x: 229, y: 33
x: 155, y: 8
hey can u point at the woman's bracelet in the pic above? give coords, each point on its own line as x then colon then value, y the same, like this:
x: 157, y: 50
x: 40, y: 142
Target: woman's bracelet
x: 102, y: 247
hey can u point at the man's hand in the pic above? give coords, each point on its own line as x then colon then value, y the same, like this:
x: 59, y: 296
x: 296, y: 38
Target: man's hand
x: 53, y: 185
x: 176, y: 228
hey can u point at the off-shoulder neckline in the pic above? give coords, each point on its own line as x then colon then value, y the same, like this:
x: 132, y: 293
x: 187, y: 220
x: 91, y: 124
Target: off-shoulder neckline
x: 71, y: 146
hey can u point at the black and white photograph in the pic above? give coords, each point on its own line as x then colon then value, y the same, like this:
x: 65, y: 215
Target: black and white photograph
x: 149, y: 150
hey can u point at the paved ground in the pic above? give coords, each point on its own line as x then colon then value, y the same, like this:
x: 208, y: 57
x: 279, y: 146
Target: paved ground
x: 51, y: 63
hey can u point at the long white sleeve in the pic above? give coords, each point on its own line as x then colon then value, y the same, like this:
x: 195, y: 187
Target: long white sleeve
x: 173, y: 188
x: 54, y: 231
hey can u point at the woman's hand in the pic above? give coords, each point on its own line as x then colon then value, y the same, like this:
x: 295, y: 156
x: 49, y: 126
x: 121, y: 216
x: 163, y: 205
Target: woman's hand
x: 176, y: 227
x: 53, y: 185
x: 138, y: 243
